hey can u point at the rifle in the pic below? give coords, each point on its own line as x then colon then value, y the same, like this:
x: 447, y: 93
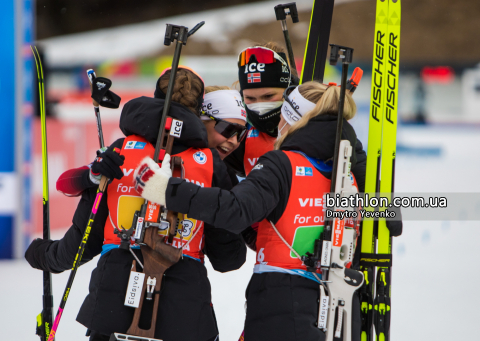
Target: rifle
x: 158, y: 255
x: 335, y: 248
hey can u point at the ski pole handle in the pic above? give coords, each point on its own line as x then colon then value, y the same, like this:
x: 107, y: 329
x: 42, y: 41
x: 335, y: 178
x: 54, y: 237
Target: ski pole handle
x: 91, y: 77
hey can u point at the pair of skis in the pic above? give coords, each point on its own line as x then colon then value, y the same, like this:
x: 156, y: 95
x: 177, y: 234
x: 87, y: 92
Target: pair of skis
x: 376, y: 247
x: 376, y: 241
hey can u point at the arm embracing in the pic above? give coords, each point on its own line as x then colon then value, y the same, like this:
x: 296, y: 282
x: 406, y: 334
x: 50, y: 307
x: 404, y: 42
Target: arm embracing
x: 250, y: 201
x: 58, y: 256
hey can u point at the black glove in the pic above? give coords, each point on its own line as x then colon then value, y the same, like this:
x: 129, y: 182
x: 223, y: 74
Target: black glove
x: 108, y: 163
x: 35, y: 254
x: 395, y: 226
x: 250, y: 237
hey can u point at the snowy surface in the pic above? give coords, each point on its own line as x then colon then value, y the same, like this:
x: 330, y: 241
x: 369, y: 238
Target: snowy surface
x: 434, y: 273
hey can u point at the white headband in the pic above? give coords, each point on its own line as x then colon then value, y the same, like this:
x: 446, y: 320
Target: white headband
x: 301, y: 104
x: 224, y: 104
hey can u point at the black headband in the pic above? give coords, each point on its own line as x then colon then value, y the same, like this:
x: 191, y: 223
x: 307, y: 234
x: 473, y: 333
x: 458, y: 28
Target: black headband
x: 255, y: 75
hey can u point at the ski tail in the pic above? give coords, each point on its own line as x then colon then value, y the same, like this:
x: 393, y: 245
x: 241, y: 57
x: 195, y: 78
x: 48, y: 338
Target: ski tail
x: 316, y: 48
x: 45, y: 318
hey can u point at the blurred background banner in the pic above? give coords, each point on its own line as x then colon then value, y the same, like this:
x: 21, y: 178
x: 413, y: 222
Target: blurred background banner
x: 16, y: 96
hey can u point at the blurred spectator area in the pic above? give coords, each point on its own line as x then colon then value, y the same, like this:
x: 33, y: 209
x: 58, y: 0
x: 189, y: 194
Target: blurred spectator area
x: 434, y: 34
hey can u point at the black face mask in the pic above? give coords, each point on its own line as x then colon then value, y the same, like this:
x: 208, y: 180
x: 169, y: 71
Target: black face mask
x: 267, y: 123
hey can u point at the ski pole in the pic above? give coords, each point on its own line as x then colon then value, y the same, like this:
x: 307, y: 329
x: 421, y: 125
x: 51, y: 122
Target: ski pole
x: 91, y: 77
x: 281, y: 12
x: 102, y: 187
x: 45, y: 318
x: 346, y: 60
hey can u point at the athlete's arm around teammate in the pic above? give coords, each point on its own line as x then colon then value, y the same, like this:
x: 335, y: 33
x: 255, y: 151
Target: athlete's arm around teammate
x: 285, y: 188
x: 186, y: 289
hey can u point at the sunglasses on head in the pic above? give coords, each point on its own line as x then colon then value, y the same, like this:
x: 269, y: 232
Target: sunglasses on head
x: 262, y: 55
x: 228, y: 129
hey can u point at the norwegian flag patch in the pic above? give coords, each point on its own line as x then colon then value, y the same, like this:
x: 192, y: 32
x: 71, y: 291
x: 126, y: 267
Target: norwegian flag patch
x: 254, y: 77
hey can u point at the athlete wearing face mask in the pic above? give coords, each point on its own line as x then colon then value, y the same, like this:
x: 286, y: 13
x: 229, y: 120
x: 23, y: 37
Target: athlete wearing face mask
x: 263, y: 75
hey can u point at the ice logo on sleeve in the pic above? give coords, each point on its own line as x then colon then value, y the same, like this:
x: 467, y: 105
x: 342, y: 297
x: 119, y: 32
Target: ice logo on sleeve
x: 200, y: 157
x: 303, y: 171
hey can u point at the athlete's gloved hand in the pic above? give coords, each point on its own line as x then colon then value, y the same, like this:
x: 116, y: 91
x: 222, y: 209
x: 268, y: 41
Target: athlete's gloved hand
x: 151, y: 181
x: 395, y: 226
x: 107, y: 163
x: 35, y: 254
x: 250, y: 236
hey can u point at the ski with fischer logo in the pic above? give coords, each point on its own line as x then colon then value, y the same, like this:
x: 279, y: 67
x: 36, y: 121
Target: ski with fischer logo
x: 376, y: 247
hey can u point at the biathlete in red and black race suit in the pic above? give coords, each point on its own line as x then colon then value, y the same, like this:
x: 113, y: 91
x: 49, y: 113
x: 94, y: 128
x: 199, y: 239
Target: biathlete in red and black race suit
x: 263, y: 75
x: 186, y: 292
x: 284, y: 189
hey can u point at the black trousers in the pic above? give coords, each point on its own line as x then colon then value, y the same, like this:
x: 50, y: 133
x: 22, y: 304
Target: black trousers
x: 284, y: 307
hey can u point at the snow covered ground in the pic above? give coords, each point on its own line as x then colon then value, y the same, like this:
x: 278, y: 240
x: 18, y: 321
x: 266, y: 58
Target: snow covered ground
x: 434, y: 274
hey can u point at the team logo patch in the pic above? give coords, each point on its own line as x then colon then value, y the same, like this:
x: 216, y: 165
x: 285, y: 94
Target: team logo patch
x: 135, y: 145
x: 258, y: 166
x: 252, y: 133
x: 100, y: 85
x: 140, y: 145
x: 303, y: 171
x: 254, y: 77
x: 200, y: 157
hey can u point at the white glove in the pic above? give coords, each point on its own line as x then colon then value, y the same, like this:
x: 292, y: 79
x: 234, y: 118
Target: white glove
x: 151, y: 181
